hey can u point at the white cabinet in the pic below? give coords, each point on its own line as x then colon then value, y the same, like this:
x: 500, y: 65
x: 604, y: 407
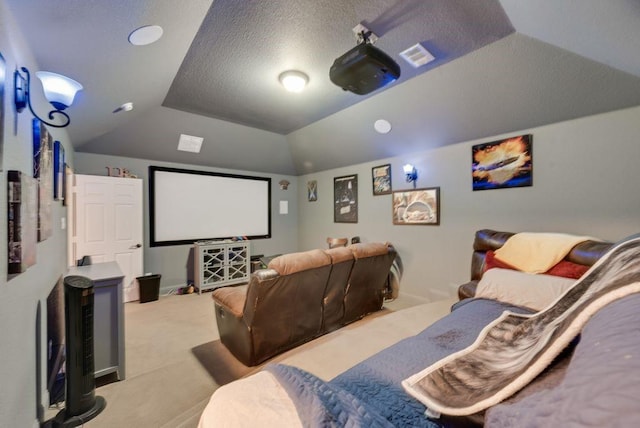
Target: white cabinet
x: 221, y: 263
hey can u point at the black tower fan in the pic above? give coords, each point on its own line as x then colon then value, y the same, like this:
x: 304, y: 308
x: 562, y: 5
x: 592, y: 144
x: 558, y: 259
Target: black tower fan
x: 81, y: 401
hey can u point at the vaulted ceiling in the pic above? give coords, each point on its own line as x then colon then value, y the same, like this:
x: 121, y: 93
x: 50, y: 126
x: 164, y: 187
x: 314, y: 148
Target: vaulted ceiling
x: 501, y: 66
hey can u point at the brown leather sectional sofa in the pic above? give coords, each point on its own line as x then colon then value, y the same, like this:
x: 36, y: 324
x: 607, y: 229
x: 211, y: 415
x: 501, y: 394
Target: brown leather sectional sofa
x: 586, y: 253
x: 301, y: 296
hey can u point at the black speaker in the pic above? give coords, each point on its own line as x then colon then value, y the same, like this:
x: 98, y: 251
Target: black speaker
x: 81, y: 402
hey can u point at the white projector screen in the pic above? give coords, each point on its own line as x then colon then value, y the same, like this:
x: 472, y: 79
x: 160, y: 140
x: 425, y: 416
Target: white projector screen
x: 187, y: 206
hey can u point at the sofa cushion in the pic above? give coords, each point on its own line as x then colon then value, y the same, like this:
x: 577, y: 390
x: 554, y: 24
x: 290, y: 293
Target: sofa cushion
x: 339, y: 254
x: 533, y: 291
x: 297, y: 262
x: 369, y: 249
x: 563, y: 268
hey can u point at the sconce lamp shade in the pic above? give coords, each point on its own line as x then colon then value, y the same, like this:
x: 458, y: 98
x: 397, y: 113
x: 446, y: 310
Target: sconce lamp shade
x: 411, y: 173
x: 59, y: 90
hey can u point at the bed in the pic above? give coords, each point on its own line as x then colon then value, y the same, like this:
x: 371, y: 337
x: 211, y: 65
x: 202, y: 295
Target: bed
x: 470, y: 367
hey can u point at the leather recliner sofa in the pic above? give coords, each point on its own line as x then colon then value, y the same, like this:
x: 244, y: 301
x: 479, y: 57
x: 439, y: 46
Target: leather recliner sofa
x: 585, y: 253
x: 301, y: 296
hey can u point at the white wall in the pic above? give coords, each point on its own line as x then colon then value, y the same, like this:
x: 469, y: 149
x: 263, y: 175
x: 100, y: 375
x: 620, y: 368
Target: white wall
x: 171, y: 262
x: 19, y: 297
x: 584, y: 182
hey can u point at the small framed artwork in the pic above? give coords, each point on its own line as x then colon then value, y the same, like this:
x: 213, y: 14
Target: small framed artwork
x: 381, y: 176
x: 416, y: 207
x: 312, y: 190
x: 503, y: 164
x: 345, y: 197
x: 58, y: 171
x: 43, y: 172
x: 3, y: 74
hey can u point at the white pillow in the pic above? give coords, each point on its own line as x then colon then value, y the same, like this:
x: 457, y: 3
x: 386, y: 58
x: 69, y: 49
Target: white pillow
x: 534, y: 291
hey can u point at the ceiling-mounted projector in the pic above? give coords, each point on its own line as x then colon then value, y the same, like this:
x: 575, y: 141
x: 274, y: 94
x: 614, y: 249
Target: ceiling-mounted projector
x: 364, y: 69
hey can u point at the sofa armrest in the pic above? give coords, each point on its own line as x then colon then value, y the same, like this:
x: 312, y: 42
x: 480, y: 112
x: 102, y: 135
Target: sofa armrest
x: 467, y: 290
x: 232, y: 299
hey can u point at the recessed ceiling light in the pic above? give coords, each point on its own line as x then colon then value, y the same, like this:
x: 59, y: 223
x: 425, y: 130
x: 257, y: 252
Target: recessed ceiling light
x: 293, y: 80
x: 145, y: 35
x: 124, y: 107
x: 382, y: 126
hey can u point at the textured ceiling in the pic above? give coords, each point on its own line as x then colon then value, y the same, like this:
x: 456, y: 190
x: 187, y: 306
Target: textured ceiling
x: 214, y: 74
x: 231, y: 70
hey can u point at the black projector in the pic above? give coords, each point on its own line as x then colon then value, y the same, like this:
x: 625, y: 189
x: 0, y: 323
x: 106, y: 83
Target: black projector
x: 364, y: 69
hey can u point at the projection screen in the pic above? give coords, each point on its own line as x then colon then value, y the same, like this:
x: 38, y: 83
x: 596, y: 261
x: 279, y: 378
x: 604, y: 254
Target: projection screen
x: 187, y: 206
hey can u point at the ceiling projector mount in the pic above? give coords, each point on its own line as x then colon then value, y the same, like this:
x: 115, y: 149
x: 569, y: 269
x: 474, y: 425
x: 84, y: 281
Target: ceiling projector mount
x: 364, y: 68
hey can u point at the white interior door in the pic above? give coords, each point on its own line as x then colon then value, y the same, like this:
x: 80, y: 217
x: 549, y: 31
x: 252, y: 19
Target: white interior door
x: 107, y: 216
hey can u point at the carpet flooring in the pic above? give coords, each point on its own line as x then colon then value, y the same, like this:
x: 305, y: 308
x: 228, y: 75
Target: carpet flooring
x: 175, y: 360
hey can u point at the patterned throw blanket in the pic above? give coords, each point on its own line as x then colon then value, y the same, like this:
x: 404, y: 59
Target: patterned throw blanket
x: 512, y: 350
x: 371, y: 392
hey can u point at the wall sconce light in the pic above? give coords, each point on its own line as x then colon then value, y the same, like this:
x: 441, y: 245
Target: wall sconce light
x: 284, y: 184
x: 410, y: 173
x: 59, y: 91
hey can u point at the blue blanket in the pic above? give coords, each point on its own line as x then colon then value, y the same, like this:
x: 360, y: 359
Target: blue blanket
x: 370, y: 393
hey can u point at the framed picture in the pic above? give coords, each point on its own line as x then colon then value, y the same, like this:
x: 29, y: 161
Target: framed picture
x: 312, y: 190
x: 3, y: 74
x: 43, y: 172
x: 417, y: 206
x: 345, y: 197
x: 502, y: 164
x: 22, y: 217
x: 381, y: 176
x: 58, y: 171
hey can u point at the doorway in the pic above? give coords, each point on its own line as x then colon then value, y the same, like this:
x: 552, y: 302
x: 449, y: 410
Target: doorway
x: 106, y: 224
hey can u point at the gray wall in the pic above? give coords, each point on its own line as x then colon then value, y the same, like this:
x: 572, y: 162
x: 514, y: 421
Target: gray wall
x: 171, y: 262
x: 584, y: 182
x: 20, y: 296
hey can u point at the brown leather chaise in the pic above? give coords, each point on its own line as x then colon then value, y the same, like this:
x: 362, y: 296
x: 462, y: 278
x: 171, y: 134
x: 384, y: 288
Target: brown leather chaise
x: 301, y: 296
x: 585, y: 253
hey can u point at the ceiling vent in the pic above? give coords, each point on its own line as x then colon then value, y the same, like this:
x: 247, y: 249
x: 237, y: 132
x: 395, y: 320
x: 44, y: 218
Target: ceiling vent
x: 417, y: 55
x: 189, y: 143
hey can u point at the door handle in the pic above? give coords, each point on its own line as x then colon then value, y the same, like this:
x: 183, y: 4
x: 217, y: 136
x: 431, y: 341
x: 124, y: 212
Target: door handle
x: 133, y: 247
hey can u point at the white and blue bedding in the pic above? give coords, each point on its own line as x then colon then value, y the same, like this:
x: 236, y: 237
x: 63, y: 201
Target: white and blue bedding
x: 372, y: 389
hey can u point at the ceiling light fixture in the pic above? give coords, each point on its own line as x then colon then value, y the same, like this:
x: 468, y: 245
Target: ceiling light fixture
x: 145, y: 35
x: 59, y: 91
x: 293, y: 80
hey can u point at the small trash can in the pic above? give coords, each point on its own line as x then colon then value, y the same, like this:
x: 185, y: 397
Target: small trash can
x: 149, y: 286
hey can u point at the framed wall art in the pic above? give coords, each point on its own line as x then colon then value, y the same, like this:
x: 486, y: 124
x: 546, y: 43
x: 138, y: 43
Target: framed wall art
x: 381, y: 176
x: 503, y: 164
x: 345, y: 197
x: 58, y: 171
x: 312, y: 190
x: 416, y: 207
x: 22, y: 217
x: 3, y: 78
x: 43, y: 172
